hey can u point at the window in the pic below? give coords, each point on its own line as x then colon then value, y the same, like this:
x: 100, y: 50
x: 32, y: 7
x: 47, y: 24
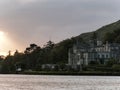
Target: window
x: 102, y: 56
x: 98, y: 56
x: 107, y: 56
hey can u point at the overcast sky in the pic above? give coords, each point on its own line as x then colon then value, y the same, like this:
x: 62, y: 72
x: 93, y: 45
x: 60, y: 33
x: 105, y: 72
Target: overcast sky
x: 37, y: 21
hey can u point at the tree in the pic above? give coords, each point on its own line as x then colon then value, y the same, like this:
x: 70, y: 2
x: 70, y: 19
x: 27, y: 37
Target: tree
x: 94, y: 38
x: 7, y: 65
x: 109, y: 37
x: 112, y: 37
x: 117, y: 40
x: 32, y: 56
x: 111, y: 62
x: 49, y: 45
x: 116, y: 67
x: 116, y: 32
x: 31, y: 48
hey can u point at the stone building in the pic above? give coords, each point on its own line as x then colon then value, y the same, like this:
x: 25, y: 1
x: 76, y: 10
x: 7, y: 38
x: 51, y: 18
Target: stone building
x: 83, y: 54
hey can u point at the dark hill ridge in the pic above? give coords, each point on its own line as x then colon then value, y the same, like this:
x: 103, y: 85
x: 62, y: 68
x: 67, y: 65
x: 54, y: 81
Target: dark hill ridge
x: 102, y: 31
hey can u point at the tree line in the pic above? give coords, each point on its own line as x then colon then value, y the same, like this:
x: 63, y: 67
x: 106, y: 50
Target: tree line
x: 34, y: 56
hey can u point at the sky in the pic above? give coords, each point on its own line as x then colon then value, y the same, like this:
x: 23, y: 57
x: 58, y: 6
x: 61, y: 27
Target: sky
x: 23, y: 22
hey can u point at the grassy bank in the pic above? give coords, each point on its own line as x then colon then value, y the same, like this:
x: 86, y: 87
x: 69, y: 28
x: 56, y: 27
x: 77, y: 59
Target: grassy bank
x: 71, y: 73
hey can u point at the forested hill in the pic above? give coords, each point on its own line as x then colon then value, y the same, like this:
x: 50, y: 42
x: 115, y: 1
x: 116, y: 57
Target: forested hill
x: 102, y: 31
x: 109, y: 33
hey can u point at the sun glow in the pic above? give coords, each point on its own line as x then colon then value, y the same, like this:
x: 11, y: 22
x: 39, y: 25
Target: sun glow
x: 3, y: 42
x: 6, y: 43
x: 1, y: 33
x: 2, y: 36
x: 3, y: 53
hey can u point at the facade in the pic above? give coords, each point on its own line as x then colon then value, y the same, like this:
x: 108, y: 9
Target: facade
x: 83, y: 54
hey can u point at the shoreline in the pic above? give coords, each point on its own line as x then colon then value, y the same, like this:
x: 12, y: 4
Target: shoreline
x: 70, y: 73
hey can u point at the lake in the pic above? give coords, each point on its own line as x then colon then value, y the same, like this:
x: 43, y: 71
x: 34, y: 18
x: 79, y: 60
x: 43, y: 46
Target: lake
x: 41, y: 82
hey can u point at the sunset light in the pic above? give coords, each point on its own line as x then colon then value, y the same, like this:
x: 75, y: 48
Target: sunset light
x: 3, y: 41
x: 1, y: 33
x: 6, y: 43
x: 2, y: 36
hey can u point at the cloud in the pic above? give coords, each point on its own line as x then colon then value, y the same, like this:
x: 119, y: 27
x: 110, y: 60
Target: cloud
x: 35, y: 21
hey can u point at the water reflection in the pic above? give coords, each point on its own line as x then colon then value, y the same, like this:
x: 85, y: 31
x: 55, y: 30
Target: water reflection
x: 39, y: 82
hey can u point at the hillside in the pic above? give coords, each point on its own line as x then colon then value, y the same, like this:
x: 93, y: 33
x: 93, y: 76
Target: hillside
x: 61, y: 49
x: 102, y: 31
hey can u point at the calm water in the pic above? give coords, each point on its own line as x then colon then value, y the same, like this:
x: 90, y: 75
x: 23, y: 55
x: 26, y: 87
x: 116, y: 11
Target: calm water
x: 38, y: 82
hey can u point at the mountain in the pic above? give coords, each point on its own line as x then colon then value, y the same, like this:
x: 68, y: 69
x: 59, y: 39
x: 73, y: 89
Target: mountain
x: 102, y: 31
x: 60, y: 51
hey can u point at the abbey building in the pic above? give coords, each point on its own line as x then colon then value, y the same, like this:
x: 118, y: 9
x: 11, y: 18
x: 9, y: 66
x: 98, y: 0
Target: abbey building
x: 83, y: 54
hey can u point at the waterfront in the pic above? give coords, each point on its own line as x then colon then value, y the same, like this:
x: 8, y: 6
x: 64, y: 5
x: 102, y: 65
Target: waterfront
x: 41, y: 82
